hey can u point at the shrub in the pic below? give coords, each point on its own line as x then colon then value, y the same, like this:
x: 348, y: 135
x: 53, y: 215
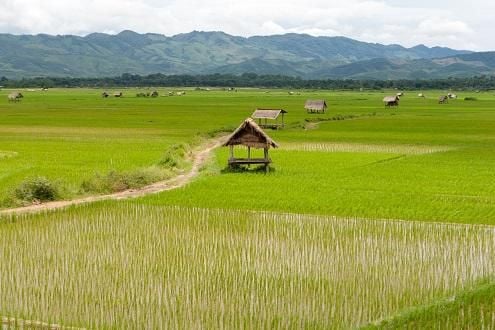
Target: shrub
x: 37, y: 189
x: 174, y: 156
x: 114, y: 181
x: 470, y: 98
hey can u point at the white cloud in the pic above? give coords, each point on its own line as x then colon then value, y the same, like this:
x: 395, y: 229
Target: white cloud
x: 440, y: 22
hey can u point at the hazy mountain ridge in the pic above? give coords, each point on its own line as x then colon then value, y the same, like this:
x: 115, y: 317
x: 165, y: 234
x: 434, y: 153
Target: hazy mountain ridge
x: 99, y: 54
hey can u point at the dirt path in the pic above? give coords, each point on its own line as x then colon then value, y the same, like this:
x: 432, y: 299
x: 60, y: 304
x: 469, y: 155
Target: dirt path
x: 199, y: 157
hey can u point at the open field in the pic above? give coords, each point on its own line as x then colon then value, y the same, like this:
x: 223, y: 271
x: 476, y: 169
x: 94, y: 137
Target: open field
x: 132, y: 266
x: 222, y: 251
x: 383, y: 166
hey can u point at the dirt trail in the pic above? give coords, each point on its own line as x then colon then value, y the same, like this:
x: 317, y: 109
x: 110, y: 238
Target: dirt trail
x: 199, y: 157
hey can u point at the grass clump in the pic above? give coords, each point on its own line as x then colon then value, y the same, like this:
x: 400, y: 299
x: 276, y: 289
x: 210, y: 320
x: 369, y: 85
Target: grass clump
x: 173, y: 160
x: 174, y: 157
x: 115, y: 181
x: 470, y: 98
x: 38, y: 189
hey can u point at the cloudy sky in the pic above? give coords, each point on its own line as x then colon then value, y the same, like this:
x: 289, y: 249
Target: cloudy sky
x: 454, y: 23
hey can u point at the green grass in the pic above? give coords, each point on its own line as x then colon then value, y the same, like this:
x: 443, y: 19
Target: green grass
x: 473, y: 308
x: 197, y: 257
x: 69, y: 136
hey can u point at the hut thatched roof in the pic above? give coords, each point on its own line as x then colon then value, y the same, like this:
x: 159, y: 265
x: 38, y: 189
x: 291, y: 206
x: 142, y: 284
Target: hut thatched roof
x: 267, y: 113
x: 315, y: 105
x: 388, y: 99
x: 250, y: 135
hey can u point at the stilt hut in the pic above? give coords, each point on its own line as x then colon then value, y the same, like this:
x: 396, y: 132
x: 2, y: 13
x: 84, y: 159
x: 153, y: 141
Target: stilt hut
x: 391, y: 101
x: 443, y: 99
x: 315, y: 106
x: 269, y: 118
x: 249, y: 134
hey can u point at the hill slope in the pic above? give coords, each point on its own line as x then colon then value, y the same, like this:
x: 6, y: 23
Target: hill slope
x: 98, y: 55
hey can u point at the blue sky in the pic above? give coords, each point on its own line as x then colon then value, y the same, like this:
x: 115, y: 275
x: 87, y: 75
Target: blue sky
x: 457, y: 24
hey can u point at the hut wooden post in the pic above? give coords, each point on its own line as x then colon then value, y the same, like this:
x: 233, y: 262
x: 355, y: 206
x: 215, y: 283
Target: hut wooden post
x: 265, y: 150
x: 249, y: 156
x: 283, y: 125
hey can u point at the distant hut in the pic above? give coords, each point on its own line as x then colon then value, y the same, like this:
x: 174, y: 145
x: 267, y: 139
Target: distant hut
x: 118, y: 94
x: 421, y: 95
x: 443, y: 99
x: 104, y: 95
x: 154, y: 94
x: 249, y: 134
x: 452, y: 96
x: 400, y: 94
x: 391, y: 101
x: 15, y: 97
x: 315, y: 106
x: 268, y: 118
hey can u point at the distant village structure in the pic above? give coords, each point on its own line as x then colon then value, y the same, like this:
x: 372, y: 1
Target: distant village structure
x: 269, y: 118
x: 250, y: 135
x: 15, y: 97
x: 443, y: 99
x: 391, y: 101
x: 315, y: 106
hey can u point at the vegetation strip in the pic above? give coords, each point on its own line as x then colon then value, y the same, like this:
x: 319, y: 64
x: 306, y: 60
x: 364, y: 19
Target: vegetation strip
x: 474, y: 307
x: 9, y: 323
x: 200, y: 156
x: 367, y: 148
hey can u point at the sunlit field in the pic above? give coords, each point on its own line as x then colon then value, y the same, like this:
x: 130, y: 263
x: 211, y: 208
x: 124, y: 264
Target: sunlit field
x: 369, y: 216
x: 126, y: 265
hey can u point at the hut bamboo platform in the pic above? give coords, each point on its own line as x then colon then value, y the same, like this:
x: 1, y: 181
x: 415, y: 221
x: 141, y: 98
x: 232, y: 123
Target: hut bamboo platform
x: 250, y: 135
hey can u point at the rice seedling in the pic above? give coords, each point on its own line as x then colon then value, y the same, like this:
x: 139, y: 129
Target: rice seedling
x: 124, y: 265
x: 367, y: 148
x: 7, y: 154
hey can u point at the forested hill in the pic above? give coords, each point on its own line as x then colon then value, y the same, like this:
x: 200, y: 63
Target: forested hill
x: 103, y: 55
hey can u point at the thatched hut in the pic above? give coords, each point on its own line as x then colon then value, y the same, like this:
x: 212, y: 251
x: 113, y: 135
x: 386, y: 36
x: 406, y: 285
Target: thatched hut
x: 250, y: 135
x: 118, y: 94
x: 15, y: 97
x: 391, y: 101
x: 315, y: 106
x: 443, y: 99
x: 268, y: 118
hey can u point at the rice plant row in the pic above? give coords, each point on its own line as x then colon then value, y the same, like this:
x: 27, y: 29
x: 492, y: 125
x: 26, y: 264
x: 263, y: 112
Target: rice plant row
x: 403, y: 149
x: 122, y: 265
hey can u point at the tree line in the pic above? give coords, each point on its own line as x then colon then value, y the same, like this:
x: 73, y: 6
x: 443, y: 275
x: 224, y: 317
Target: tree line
x: 250, y: 80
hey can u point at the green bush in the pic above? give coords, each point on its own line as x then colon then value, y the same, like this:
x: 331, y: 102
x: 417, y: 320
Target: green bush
x: 470, y: 98
x: 37, y: 189
x: 174, y: 156
x: 114, y: 181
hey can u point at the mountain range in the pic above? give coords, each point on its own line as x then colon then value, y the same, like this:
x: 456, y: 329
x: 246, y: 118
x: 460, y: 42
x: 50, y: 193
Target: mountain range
x: 305, y: 56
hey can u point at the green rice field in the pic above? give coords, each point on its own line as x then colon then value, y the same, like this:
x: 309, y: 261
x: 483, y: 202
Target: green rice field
x: 369, y: 217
